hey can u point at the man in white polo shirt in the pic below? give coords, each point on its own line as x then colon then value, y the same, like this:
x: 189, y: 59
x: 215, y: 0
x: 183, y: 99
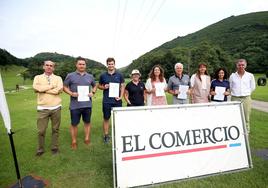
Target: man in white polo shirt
x: 242, y: 84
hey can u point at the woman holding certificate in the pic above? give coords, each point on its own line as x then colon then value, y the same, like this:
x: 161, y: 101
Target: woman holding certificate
x: 156, y: 86
x: 200, y: 83
x: 220, y: 87
x: 134, y: 93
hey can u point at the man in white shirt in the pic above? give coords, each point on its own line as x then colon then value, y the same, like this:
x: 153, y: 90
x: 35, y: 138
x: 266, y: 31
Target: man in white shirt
x: 242, y: 84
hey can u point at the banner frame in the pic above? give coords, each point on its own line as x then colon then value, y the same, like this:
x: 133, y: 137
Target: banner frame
x: 114, y: 110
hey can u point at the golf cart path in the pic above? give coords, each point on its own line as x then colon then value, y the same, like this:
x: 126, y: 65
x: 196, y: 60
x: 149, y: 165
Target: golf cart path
x: 260, y: 105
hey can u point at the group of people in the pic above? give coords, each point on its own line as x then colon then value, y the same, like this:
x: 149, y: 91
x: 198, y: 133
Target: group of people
x: 81, y: 87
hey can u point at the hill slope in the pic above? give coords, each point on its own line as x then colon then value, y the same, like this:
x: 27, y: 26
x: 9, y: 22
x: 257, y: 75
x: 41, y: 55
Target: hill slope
x: 244, y: 36
x: 65, y: 63
x: 56, y: 57
x: 7, y: 59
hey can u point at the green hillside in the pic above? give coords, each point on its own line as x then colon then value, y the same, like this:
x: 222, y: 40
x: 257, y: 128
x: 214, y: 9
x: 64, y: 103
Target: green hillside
x: 7, y: 59
x: 33, y: 65
x: 64, y: 64
x: 56, y: 57
x: 244, y: 36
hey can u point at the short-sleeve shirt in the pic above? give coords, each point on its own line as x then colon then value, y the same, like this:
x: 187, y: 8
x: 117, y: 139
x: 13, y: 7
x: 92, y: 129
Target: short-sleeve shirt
x: 106, y: 78
x: 224, y: 83
x: 136, y: 93
x: 174, y: 83
x: 75, y: 79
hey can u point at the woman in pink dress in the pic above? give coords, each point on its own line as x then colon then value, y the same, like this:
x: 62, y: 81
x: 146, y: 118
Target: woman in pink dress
x: 156, y: 86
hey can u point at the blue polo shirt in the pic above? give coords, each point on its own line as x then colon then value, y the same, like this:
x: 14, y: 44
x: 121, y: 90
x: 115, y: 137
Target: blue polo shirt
x: 75, y: 79
x: 106, y: 78
x: 224, y: 83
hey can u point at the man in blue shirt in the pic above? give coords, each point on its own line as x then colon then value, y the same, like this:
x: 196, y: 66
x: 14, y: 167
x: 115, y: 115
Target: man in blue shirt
x: 80, y: 105
x: 111, y: 78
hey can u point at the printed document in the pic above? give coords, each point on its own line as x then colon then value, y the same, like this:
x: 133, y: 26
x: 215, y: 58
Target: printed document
x: 183, y: 92
x: 219, y: 93
x: 83, y: 92
x: 114, y: 89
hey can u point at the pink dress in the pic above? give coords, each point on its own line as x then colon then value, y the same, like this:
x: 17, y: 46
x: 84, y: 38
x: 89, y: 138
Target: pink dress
x: 161, y: 100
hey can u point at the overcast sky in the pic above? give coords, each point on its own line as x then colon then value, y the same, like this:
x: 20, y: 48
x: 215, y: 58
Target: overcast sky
x: 97, y: 29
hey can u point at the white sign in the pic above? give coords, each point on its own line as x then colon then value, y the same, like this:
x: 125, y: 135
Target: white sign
x: 183, y: 92
x: 219, y: 93
x: 4, y: 107
x: 160, y: 89
x: 153, y: 145
x: 114, y: 89
x: 83, y: 92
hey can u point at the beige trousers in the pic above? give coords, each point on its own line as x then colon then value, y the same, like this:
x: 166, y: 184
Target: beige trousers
x: 246, y: 101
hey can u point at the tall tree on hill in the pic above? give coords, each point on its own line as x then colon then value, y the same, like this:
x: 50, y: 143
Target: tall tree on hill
x: 213, y: 56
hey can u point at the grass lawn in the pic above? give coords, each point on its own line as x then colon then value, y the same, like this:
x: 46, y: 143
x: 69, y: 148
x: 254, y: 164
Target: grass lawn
x: 12, y: 76
x: 261, y: 92
x: 91, y: 166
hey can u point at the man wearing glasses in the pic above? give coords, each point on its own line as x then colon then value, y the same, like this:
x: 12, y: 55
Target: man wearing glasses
x: 242, y: 84
x: 48, y: 87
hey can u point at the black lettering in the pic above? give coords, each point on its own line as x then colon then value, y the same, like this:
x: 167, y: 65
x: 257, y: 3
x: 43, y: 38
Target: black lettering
x: 125, y: 143
x: 214, y: 135
x: 151, y: 141
x: 164, y: 139
x: 137, y: 144
x: 196, y: 134
x: 237, y: 132
x: 183, y: 141
x: 207, y: 133
x: 226, y: 134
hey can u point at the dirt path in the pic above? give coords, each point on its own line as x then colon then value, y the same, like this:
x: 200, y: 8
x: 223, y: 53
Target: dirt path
x: 260, y: 105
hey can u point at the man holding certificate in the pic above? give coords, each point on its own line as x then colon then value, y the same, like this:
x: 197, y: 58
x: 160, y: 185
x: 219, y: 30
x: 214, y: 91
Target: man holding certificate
x: 179, y: 85
x: 81, y: 87
x: 112, y: 84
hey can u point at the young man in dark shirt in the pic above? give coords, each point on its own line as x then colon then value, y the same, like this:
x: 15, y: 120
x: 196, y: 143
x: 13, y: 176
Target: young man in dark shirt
x: 108, y: 82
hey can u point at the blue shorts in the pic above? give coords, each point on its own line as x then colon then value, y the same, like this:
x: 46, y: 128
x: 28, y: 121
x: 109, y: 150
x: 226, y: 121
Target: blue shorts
x: 77, y: 113
x: 107, y: 107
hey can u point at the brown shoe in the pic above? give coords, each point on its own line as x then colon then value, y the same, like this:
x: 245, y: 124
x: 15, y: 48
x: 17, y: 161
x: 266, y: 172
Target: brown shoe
x: 74, y: 145
x: 55, y: 151
x: 87, y: 142
x: 39, y: 153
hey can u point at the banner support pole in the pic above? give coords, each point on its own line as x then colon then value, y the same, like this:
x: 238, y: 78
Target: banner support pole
x: 15, y: 158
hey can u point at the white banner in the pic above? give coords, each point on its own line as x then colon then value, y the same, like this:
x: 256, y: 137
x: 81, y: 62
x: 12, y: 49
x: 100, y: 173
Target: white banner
x: 4, y: 108
x: 160, y: 144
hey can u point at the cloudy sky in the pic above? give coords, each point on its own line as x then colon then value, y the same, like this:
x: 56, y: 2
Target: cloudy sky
x: 97, y: 29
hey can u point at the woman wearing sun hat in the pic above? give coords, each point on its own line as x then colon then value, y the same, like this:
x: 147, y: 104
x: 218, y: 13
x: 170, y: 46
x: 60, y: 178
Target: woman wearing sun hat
x: 135, y: 90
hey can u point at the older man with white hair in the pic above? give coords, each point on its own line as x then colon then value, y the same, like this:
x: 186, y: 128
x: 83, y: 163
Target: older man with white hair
x: 179, y: 85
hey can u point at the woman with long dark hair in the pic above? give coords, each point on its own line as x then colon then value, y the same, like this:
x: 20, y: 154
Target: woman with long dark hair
x: 156, y: 86
x: 220, y: 84
x: 200, y: 85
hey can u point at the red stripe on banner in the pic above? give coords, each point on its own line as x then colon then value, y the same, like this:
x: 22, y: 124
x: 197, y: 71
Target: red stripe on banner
x: 172, y: 153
